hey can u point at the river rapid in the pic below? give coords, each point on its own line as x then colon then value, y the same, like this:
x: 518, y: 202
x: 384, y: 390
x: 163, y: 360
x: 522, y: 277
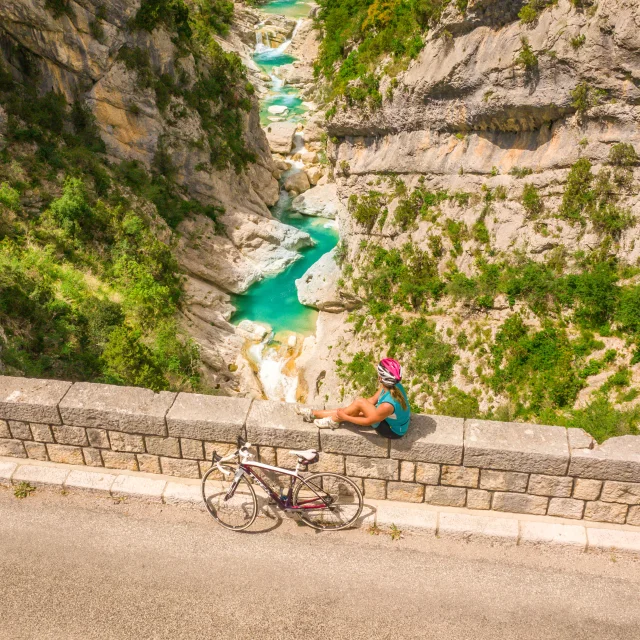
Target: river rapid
x: 273, y: 301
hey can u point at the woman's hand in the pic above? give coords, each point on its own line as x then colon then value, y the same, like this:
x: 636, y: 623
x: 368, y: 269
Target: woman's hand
x: 342, y: 416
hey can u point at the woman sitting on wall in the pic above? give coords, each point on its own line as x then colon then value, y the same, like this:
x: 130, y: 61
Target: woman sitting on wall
x: 387, y: 411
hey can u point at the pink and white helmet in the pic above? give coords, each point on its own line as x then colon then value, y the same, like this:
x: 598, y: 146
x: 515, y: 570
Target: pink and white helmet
x: 390, y: 372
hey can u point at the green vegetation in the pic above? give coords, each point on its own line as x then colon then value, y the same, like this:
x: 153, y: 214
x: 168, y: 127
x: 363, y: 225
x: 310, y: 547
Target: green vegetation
x: 23, y: 490
x: 59, y: 8
x: 584, y: 97
x: 531, y: 200
x: 530, y: 12
x: 358, y: 34
x: 87, y: 290
x: 527, y: 57
x: 578, y: 41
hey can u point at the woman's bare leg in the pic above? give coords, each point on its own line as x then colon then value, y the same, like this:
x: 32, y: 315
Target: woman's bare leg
x: 359, y: 407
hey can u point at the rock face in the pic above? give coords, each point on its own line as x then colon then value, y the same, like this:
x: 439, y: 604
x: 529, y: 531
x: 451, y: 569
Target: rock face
x: 321, y: 201
x: 296, y: 182
x: 77, y: 61
x: 318, y: 287
x: 467, y: 118
x: 280, y: 136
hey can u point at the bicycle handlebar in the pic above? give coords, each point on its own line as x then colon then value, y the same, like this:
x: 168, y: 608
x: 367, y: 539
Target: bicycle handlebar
x: 241, y: 452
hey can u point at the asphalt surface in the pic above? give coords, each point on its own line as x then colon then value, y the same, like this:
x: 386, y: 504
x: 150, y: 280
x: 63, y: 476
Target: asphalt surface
x: 78, y: 567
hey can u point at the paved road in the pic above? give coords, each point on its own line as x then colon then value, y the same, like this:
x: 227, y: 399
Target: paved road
x: 71, y: 567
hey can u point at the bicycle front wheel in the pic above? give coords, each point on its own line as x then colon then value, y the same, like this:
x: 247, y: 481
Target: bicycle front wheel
x: 328, y: 501
x: 234, y: 507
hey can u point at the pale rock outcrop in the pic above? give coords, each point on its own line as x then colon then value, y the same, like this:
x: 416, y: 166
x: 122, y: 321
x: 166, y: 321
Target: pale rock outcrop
x: 296, y: 182
x: 321, y: 201
x: 319, y: 288
x: 280, y: 136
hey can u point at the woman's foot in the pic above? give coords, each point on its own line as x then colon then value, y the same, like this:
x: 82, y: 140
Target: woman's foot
x: 305, y: 412
x: 326, y: 423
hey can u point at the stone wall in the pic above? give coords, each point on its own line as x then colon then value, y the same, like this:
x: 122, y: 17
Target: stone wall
x: 518, y: 468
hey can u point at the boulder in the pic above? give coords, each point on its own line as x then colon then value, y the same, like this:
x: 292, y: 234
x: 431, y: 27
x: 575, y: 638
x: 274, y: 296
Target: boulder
x: 280, y: 136
x: 321, y: 201
x: 314, y: 174
x: 318, y: 287
x: 297, y: 182
x: 277, y: 109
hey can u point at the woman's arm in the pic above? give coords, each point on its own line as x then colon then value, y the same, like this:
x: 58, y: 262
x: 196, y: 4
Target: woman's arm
x: 373, y: 399
x: 378, y: 414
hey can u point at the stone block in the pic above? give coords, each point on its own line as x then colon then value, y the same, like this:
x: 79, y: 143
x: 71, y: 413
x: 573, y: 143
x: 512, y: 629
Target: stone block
x: 407, y: 471
x: 445, y: 496
x: 427, y: 473
x: 554, y: 486
x: 504, y: 481
x: 606, y: 512
x: 92, y: 457
x: 472, y: 528
x: 354, y: 441
x: 201, y: 417
x: 459, y: 476
x: 566, y: 508
x: 431, y: 439
x: 633, y: 517
x: 90, y: 482
x: 580, y: 439
x: 192, y: 449
x: 204, y: 465
x: 267, y: 455
x: 7, y: 469
x: 40, y: 476
x: 127, y: 409
x: 5, y: 434
x: 405, y: 491
x: 375, y: 489
x: 181, y: 468
x: 380, y: 468
x: 520, y: 503
x: 221, y: 448
x: 276, y: 424
x: 148, y: 464
x: 587, y: 489
x: 614, y: 541
x: 285, y: 459
x: 98, y: 438
x: 36, y: 450
x: 138, y: 488
x: 41, y: 432
x: 624, y: 492
x: 20, y: 430
x: 76, y: 436
x: 478, y: 499
x: 65, y: 454
x: 330, y: 462
x: 31, y: 400
x: 510, y: 446
x: 119, y: 460
x: 182, y: 494
x: 614, y: 459
x: 13, y: 448
x: 552, y: 534
x: 126, y: 442
x: 168, y: 447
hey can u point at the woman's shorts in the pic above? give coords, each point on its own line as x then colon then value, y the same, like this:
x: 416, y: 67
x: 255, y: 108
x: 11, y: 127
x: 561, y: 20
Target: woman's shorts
x: 384, y: 430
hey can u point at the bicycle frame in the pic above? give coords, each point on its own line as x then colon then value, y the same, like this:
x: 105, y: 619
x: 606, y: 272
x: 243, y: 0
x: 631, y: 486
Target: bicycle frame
x: 316, y: 503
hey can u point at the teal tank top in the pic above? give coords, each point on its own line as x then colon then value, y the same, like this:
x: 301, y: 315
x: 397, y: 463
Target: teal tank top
x: 398, y: 421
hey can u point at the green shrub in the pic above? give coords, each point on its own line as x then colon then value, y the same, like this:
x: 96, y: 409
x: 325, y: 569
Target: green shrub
x: 360, y: 372
x: 417, y: 204
x: 9, y: 197
x: 584, y: 97
x: 459, y: 404
x: 623, y: 154
x: 578, y: 196
x: 531, y: 200
x: 59, y: 8
x: 527, y: 57
x: 578, y: 41
x: 366, y: 209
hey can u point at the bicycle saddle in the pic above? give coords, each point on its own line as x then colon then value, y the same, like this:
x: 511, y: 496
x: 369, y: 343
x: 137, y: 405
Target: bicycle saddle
x: 307, y: 456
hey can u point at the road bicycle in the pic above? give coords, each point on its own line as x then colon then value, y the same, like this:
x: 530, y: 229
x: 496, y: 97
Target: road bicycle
x: 324, y: 501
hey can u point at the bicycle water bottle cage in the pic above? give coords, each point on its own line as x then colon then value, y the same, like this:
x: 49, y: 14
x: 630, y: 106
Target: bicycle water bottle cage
x: 309, y: 456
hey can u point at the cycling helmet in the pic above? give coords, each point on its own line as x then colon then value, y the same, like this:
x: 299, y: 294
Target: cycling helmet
x: 390, y: 372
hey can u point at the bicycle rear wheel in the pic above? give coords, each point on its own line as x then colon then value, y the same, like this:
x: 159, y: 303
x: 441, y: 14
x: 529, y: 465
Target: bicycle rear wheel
x: 233, y: 508
x: 328, y: 501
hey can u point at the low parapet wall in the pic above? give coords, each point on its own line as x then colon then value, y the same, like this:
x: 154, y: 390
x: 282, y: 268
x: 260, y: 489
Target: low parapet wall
x: 514, y: 467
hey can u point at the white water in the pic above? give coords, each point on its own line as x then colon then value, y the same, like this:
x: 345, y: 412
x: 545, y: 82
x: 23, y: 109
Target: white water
x: 276, y: 372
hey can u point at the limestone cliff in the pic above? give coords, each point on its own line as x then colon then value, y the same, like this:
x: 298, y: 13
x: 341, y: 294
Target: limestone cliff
x: 78, y: 49
x: 492, y: 110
